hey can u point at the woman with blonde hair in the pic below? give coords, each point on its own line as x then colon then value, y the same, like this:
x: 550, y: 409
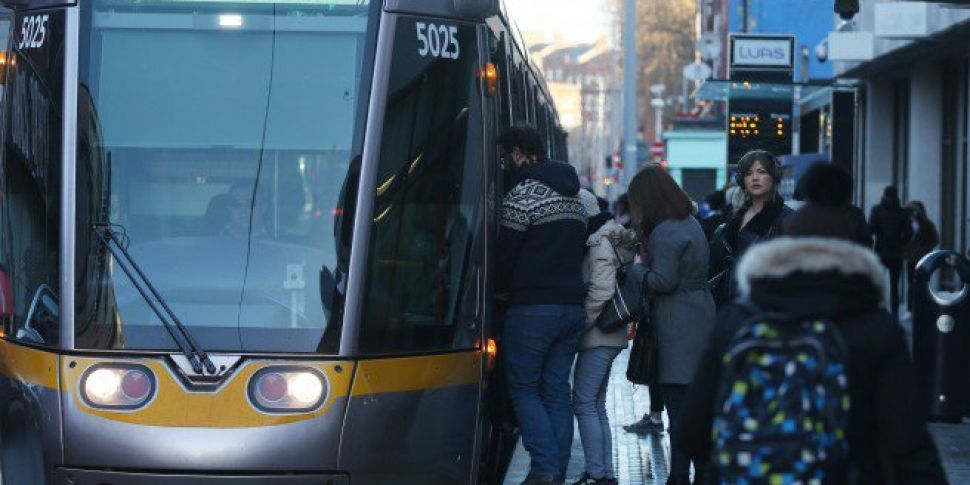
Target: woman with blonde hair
x: 676, y: 281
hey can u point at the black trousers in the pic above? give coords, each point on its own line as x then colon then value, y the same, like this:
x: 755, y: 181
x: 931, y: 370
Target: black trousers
x: 895, y: 267
x: 656, y: 398
x: 674, y: 395
x: 910, y: 283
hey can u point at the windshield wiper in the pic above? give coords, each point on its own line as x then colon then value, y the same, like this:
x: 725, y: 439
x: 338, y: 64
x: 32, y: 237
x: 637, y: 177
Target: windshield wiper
x: 170, y: 321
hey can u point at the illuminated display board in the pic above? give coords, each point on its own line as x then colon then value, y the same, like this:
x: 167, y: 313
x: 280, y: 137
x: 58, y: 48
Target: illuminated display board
x: 760, y: 94
x: 763, y: 124
x: 747, y: 125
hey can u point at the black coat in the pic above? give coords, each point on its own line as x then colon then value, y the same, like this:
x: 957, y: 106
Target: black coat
x: 731, y: 241
x: 860, y: 228
x: 826, y: 278
x: 890, y: 225
x: 542, y: 240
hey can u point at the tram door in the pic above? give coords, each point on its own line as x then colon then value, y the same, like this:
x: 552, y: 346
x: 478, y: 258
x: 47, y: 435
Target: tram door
x: 30, y: 182
x: 498, y: 436
x: 414, y: 414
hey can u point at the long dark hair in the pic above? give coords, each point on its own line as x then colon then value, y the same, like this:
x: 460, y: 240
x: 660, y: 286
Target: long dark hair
x: 918, y: 211
x: 656, y: 197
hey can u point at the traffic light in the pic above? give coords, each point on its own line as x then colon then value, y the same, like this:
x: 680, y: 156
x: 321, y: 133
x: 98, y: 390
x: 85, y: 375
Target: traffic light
x: 847, y: 8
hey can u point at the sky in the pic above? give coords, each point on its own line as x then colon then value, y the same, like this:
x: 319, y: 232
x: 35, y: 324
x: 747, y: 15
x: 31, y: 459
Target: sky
x: 575, y: 20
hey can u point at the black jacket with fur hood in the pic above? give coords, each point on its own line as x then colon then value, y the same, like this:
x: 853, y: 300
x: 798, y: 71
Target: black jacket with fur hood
x: 843, y: 282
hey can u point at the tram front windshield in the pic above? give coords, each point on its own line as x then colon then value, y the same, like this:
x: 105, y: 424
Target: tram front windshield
x: 218, y: 139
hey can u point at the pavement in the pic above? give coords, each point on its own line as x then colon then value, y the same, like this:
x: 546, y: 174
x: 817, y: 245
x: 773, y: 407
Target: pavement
x: 638, y: 459
x: 953, y: 444
x: 644, y: 459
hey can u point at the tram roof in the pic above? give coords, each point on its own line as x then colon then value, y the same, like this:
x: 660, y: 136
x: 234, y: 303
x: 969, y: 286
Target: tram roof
x: 446, y: 8
x: 441, y: 8
x: 33, y: 4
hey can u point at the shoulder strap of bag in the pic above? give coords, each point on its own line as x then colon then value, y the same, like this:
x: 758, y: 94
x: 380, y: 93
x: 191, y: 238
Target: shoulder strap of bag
x: 619, y: 260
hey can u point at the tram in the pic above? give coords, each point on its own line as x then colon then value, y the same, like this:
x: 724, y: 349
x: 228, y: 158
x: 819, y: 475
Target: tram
x: 251, y: 242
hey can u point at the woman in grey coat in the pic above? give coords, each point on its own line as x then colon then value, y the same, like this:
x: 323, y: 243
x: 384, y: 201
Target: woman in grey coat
x: 608, y: 245
x: 683, y: 309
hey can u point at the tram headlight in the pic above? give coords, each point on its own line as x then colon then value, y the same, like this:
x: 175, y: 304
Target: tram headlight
x: 117, y: 386
x: 287, y: 389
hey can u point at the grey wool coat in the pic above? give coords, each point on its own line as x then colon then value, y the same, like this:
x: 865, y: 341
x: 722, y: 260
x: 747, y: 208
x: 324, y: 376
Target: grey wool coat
x: 683, y: 309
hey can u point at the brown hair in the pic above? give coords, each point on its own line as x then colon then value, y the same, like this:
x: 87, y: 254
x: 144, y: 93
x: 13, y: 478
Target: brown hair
x: 656, y: 197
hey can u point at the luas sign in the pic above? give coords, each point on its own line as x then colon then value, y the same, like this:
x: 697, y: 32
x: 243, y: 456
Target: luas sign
x: 762, y: 52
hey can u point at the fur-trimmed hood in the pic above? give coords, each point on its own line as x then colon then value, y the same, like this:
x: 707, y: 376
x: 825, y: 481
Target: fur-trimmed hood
x: 812, y: 276
x: 618, y: 235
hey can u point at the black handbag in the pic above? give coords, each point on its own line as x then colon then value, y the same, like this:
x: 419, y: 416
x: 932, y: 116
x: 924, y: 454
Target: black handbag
x: 643, y: 367
x: 627, y: 303
x: 722, y: 285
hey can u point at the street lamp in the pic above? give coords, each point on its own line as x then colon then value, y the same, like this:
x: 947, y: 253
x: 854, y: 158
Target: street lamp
x: 657, y: 90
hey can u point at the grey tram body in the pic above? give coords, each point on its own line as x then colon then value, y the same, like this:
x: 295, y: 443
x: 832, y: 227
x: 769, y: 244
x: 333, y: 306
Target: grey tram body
x: 420, y: 434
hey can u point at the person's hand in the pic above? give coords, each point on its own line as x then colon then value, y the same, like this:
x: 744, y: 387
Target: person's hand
x: 631, y: 330
x: 637, y: 259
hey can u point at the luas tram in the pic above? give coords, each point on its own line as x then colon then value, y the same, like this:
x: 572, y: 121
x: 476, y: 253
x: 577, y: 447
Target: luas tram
x: 249, y: 242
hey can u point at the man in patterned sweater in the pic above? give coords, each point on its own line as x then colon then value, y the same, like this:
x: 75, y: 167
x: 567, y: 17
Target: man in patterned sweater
x: 541, y: 246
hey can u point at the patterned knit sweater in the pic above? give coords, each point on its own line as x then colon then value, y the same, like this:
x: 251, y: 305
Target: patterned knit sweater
x: 542, y: 238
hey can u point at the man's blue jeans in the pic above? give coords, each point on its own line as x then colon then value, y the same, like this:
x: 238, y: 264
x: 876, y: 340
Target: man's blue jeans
x: 540, y: 344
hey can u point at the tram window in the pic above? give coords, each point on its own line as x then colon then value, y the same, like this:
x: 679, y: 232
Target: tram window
x: 423, y: 262
x: 519, y: 97
x: 505, y: 76
x: 220, y: 152
x: 6, y: 17
x: 31, y: 185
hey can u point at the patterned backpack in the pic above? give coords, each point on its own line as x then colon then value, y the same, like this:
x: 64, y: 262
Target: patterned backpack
x: 782, y: 403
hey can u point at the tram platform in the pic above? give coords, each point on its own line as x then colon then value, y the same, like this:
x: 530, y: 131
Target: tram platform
x: 643, y: 459
x: 638, y: 459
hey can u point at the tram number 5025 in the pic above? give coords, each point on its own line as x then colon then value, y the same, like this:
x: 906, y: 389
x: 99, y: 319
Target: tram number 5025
x: 438, y: 40
x: 33, y: 32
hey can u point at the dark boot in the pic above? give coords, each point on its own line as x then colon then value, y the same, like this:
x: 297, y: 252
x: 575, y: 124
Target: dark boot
x: 543, y: 480
x: 700, y: 476
x: 678, y: 480
x: 585, y: 479
x: 646, y: 425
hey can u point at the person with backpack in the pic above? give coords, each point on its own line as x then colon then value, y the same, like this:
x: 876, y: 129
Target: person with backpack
x: 676, y: 280
x: 608, y: 246
x: 760, y: 218
x: 807, y: 378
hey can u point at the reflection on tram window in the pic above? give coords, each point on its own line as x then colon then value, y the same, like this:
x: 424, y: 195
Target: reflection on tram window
x: 429, y: 196
x: 31, y: 185
x: 219, y: 153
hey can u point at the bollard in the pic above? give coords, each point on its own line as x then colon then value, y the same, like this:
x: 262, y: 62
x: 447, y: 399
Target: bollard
x: 941, y: 339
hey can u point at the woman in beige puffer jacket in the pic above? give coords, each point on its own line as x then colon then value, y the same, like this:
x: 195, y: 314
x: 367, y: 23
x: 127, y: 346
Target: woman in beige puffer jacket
x: 609, y: 246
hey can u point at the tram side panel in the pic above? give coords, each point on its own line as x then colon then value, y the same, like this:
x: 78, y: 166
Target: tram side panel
x: 30, y: 417
x: 415, y: 419
x: 412, y: 420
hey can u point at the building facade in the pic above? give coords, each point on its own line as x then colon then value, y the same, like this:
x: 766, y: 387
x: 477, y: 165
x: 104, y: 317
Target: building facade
x: 589, y: 72
x: 697, y: 159
x: 909, y: 65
